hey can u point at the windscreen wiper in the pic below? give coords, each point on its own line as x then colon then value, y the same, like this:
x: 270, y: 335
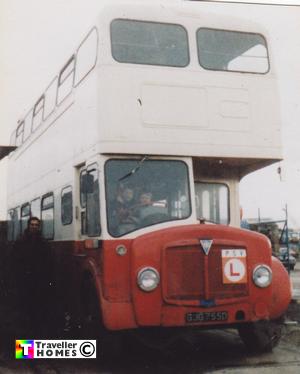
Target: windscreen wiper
x: 133, y: 171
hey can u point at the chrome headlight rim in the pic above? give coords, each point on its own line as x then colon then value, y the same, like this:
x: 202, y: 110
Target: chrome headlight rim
x: 255, y: 278
x: 140, y: 279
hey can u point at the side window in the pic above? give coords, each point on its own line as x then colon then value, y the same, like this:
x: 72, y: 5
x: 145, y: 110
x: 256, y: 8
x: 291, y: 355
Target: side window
x: 25, y: 214
x: 232, y: 51
x: 10, y: 225
x: 90, y: 204
x: 19, y: 134
x: 50, y: 98
x: 65, y: 80
x: 83, y: 188
x: 12, y: 140
x: 16, y: 223
x: 212, y: 202
x: 27, y: 125
x: 38, y: 111
x: 150, y: 43
x: 86, y: 56
x: 66, y: 205
x: 48, y: 216
x: 36, y: 208
x: 83, y: 201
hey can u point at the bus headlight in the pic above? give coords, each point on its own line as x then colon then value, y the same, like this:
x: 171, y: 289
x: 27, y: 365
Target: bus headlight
x: 148, y: 279
x: 262, y: 276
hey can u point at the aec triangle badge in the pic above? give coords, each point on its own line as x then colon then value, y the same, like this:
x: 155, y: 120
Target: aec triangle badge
x: 206, y: 245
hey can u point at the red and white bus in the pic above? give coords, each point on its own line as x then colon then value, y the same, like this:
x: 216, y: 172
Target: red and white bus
x: 132, y: 158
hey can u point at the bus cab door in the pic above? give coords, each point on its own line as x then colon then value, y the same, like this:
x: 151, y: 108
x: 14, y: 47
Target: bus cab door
x: 89, y: 201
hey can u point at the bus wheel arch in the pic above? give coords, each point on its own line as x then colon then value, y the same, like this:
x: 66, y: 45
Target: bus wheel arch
x: 281, y: 289
x: 90, y: 306
x: 110, y: 344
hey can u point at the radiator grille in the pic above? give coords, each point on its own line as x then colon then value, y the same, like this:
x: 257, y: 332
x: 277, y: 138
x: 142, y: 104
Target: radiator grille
x: 185, y: 268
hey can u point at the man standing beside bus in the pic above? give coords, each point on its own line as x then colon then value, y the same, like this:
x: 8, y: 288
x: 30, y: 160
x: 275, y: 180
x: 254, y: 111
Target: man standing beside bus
x: 33, y: 264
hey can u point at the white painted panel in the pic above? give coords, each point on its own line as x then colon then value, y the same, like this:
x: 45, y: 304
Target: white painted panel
x: 174, y: 106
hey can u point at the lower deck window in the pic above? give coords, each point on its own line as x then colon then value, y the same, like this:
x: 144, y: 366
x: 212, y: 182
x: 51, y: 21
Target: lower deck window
x: 48, y: 216
x: 212, y: 202
x: 36, y: 208
x: 66, y: 206
x: 25, y: 214
x: 13, y: 224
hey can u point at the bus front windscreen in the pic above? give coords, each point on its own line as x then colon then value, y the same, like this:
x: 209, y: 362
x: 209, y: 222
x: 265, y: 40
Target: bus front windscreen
x: 141, y: 193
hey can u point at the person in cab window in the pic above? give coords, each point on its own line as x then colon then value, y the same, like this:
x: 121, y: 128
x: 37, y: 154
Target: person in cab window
x: 144, y: 204
x: 33, y: 264
x: 146, y: 199
x: 149, y: 211
x: 123, y: 216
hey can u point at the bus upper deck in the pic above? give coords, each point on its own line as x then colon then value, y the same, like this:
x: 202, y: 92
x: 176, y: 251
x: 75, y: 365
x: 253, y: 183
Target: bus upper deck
x: 173, y: 80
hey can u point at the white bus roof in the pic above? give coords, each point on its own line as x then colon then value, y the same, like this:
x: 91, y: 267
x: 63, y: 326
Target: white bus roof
x: 132, y: 108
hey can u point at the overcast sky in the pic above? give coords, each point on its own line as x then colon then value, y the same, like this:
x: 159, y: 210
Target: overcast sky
x: 38, y: 36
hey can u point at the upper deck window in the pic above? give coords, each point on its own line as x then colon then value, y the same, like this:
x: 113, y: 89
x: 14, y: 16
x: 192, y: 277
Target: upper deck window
x: 149, y: 43
x: 19, y: 134
x: 38, y: 110
x: 50, y: 98
x: 65, y: 80
x: 27, y: 124
x: 232, y: 51
x: 86, y: 56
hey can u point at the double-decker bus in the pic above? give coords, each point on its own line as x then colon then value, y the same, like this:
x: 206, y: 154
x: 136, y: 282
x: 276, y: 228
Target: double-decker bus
x: 132, y: 158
